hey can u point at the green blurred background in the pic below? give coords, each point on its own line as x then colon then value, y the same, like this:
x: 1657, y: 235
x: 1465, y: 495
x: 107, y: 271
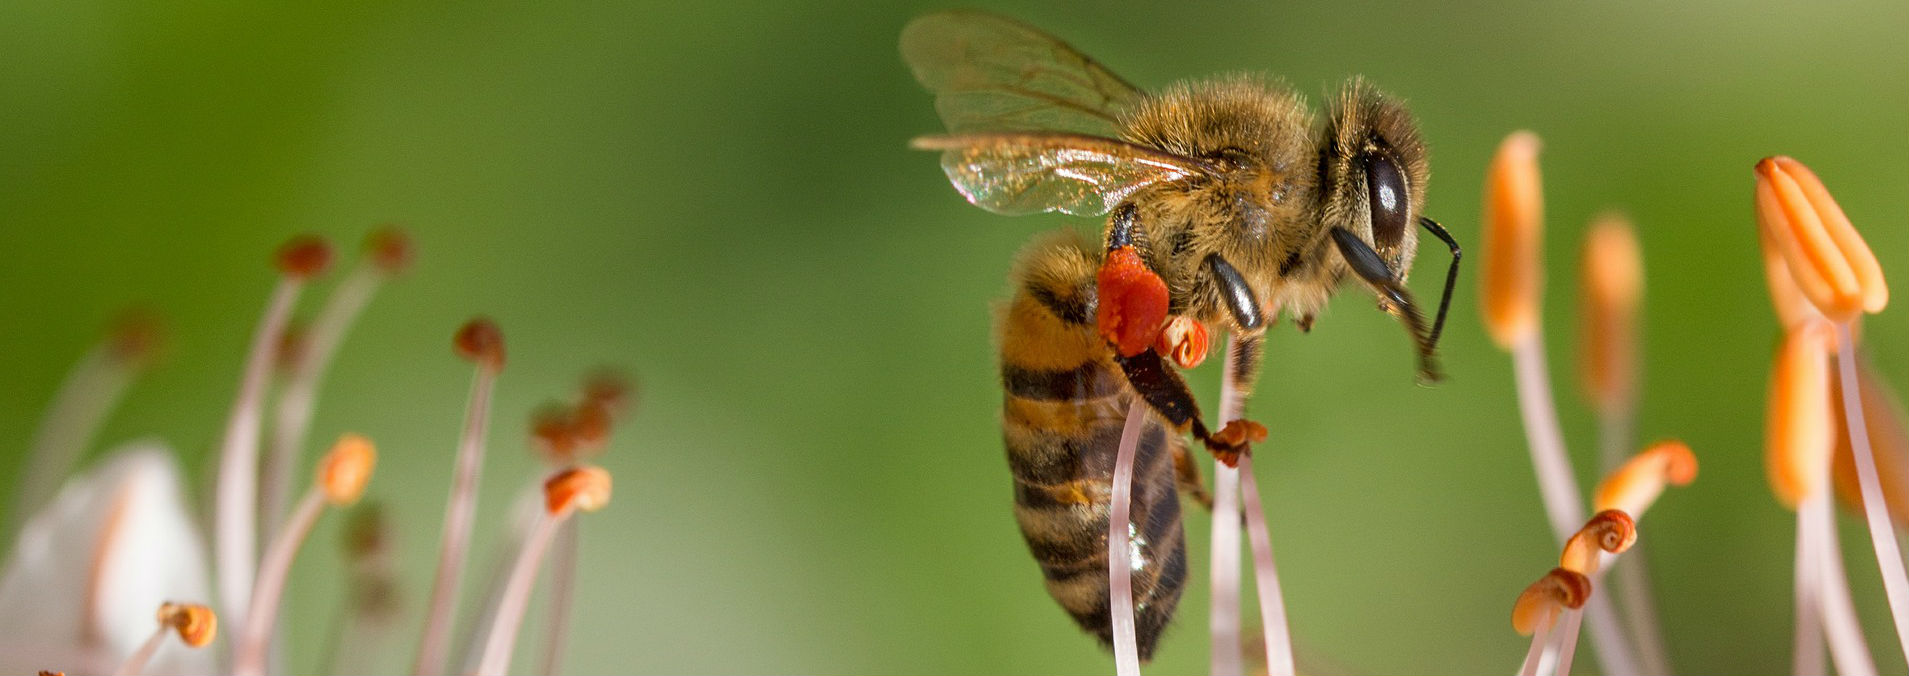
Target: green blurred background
x: 718, y: 198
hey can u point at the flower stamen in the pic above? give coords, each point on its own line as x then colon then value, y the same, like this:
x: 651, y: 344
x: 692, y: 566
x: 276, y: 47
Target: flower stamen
x: 481, y: 342
x: 340, y: 480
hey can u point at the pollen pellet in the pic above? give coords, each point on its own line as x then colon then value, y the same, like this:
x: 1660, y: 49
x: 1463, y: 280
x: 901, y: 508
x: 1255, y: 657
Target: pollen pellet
x: 1133, y: 302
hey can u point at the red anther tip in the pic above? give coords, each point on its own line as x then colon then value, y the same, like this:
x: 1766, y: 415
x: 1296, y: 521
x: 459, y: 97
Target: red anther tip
x: 609, y: 388
x: 304, y: 257
x: 481, y: 342
x: 137, y: 336
x: 590, y: 424
x: 390, y: 249
x: 551, y: 433
x: 1133, y: 302
x: 292, y: 344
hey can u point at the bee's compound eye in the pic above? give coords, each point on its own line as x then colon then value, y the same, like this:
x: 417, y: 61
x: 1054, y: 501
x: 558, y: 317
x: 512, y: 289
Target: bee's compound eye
x: 1385, y: 187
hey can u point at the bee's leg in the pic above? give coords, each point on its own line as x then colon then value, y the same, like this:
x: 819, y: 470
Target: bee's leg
x: 1187, y: 475
x: 1373, y: 270
x: 1163, y: 390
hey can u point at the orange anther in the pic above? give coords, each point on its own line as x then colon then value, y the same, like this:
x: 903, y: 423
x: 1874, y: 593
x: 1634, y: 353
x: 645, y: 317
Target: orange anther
x: 1611, y: 287
x: 584, y: 488
x: 1541, y: 602
x: 344, y: 471
x: 1513, y: 230
x: 1826, y: 258
x: 196, y: 624
x: 1610, y: 530
x: 1636, y: 484
x: 1799, y: 430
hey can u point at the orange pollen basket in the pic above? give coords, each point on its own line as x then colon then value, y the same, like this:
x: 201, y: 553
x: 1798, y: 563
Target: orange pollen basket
x: 1133, y: 302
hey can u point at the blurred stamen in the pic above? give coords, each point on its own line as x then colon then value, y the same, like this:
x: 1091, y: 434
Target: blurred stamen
x: 482, y: 343
x: 195, y: 624
x: 1272, y: 604
x: 340, y: 480
x: 567, y: 491
x: 236, y: 516
x: 90, y: 392
x: 1513, y: 224
x: 386, y: 252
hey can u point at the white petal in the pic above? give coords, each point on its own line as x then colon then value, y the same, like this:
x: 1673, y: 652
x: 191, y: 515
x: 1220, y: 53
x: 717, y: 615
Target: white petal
x: 88, y: 573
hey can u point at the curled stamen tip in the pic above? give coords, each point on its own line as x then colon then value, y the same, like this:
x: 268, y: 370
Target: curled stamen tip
x: 1513, y: 226
x: 1541, y: 601
x: 1799, y: 429
x: 1635, y: 485
x: 344, y: 471
x: 1610, y: 530
x: 1184, y: 341
x: 304, y: 257
x: 583, y: 488
x: 390, y: 249
x: 481, y: 342
x: 1826, y: 257
x: 196, y: 624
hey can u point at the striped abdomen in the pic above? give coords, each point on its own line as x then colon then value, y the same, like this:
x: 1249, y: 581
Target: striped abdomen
x: 1066, y: 402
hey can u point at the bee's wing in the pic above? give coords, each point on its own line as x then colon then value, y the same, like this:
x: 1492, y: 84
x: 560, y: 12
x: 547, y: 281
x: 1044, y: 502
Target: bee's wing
x: 991, y: 73
x: 1026, y: 173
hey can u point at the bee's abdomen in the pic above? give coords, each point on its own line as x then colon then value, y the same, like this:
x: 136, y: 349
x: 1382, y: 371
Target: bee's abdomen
x: 1063, y: 412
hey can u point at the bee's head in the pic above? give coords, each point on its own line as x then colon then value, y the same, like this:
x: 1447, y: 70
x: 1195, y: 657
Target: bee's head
x: 1373, y: 173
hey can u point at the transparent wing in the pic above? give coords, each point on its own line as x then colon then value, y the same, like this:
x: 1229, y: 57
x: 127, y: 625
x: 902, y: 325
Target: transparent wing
x: 991, y: 73
x: 1027, y: 173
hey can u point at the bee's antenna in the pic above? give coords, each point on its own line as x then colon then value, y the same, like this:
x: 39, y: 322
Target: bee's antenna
x: 1366, y: 263
x: 1451, y: 275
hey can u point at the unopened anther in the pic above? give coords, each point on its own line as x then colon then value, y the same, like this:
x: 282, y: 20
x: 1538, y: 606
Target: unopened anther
x: 1799, y: 431
x: 1827, y: 259
x: 1513, y: 231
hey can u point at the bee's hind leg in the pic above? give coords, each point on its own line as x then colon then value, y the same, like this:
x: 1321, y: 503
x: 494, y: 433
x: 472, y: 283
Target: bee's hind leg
x: 1167, y: 394
x: 1187, y: 476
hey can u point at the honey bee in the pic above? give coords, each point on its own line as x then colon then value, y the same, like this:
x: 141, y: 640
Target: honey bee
x: 1230, y: 203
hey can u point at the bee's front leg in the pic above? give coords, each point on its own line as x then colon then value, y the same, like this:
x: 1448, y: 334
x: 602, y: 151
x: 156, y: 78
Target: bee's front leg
x: 1131, y: 312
